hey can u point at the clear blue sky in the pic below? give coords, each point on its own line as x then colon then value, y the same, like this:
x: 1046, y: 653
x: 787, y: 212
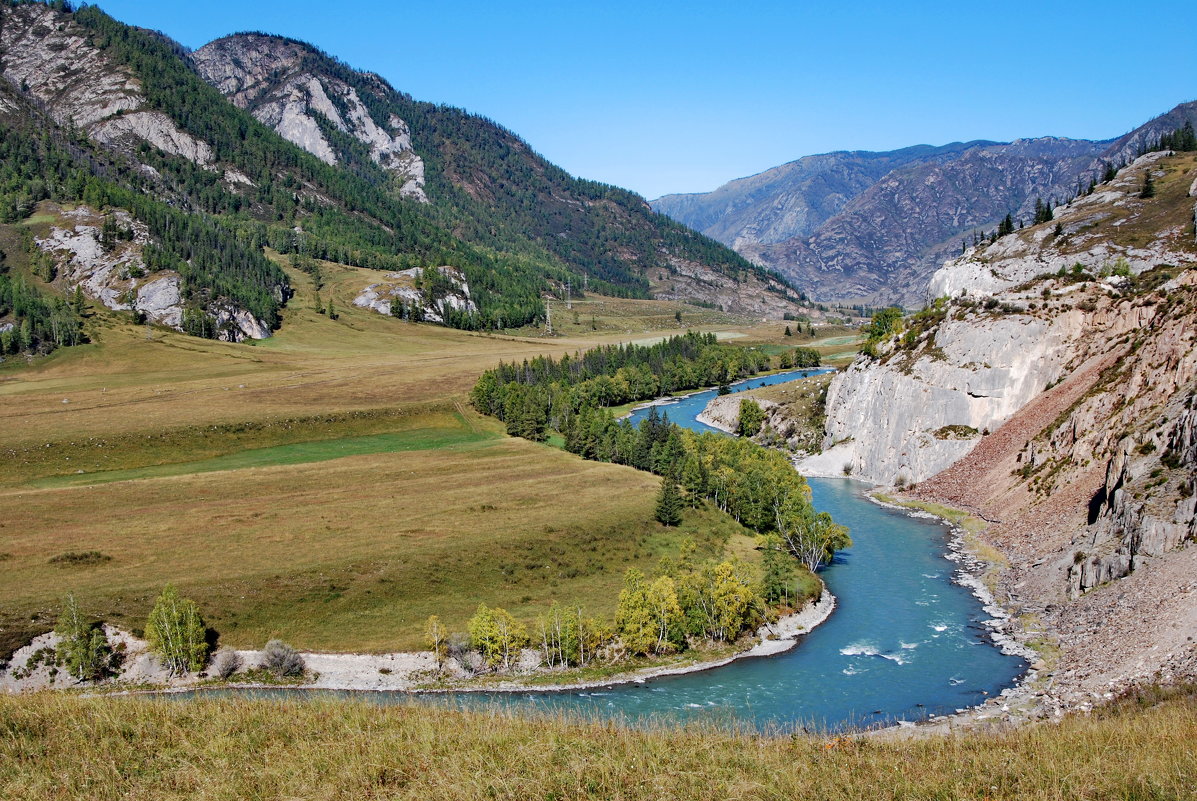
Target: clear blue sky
x: 670, y: 96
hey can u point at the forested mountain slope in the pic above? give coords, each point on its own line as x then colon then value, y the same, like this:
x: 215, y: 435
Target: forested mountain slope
x: 118, y: 121
x: 874, y: 226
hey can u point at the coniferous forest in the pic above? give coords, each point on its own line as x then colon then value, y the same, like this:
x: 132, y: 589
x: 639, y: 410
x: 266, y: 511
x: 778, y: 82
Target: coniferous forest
x: 512, y: 223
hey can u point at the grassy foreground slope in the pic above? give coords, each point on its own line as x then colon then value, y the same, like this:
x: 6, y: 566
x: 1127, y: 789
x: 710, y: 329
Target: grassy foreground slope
x: 328, y: 485
x: 66, y: 747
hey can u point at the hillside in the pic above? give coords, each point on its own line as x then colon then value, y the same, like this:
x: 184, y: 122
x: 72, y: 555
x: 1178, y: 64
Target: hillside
x: 873, y: 227
x: 1051, y: 397
x: 116, y: 123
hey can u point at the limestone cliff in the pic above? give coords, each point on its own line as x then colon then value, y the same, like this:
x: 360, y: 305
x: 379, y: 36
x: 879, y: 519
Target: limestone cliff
x: 110, y: 268
x: 401, y: 294
x: 279, y: 82
x: 52, y: 59
x: 1059, y: 405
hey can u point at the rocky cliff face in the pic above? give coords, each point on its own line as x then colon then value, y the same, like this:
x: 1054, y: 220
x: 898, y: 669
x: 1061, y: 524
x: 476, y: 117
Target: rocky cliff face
x: 842, y: 229
x: 400, y: 295
x: 1059, y: 406
x: 281, y: 84
x: 51, y: 59
x: 113, y: 271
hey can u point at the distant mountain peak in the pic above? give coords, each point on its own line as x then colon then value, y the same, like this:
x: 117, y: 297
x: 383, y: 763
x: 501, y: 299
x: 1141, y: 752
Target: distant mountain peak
x: 871, y: 227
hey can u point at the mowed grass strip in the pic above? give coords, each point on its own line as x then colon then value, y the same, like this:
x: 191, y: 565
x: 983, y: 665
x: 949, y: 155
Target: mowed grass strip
x: 103, y: 749
x: 348, y: 554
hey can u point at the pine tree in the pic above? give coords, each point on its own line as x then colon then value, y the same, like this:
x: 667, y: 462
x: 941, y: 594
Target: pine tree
x: 669, y: 503
x: 789, y: 333
x: 1148, y: 189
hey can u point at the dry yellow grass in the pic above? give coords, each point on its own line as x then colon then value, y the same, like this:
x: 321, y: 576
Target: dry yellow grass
x: 64, y: 747
x: 349, y: 553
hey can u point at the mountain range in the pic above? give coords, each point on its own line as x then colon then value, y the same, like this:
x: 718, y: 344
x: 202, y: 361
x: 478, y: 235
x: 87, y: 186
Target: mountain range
x: 205, y: 162
x: 864, y: 227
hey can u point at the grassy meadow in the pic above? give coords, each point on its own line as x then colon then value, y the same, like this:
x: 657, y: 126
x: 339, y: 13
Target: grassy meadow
x: 66, y: 747
x: 330, y: 486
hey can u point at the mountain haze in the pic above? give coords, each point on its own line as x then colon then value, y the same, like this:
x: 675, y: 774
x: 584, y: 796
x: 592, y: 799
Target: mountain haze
x: 873, y: 227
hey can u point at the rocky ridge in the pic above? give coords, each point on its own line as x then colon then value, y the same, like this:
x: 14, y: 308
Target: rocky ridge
x: 49, y: 56
x: 273, y: 79
x: 844, y: 233
x: 1060, y: 409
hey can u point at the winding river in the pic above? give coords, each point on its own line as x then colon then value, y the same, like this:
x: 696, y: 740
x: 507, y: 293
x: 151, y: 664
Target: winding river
x: 904, y: 643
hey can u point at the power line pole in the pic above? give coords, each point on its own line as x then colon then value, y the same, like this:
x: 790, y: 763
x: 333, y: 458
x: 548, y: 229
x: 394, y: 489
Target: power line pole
x: 548, y: 317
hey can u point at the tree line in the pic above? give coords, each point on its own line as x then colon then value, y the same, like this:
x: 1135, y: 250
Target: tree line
x: 550, y: 394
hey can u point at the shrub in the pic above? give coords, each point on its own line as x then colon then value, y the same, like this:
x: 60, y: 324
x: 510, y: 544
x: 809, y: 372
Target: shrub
x: 751, y: 418
x: 74, y: 558
x: 281, y: 659
x: 226, y: 663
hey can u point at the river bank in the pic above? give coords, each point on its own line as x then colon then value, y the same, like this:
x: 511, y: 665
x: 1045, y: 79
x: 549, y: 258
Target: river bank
x: 1028, y: 699
x: 408, y: 672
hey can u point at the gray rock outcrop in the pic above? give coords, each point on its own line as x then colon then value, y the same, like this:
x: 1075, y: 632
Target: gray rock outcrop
x: 272, y: 78
x: 52, y: 59
x: 399, y: 288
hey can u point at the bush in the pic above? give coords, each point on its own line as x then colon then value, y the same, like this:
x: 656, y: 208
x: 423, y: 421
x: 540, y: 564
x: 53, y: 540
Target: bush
x: 72, y: 558
x: 752, y: 416
x: 281, y: 659
x: 226, y: 663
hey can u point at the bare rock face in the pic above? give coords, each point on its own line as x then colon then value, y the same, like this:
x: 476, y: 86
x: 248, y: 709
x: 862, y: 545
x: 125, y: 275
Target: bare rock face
x: 911, y: 416
x: 115, y: 273
x: 275, y: 80
x: 49, y: 56
x: 399, y: 293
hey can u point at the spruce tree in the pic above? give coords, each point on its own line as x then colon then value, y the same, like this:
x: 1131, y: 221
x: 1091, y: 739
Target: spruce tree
x: 669, y: 503
x: 1148, y: 185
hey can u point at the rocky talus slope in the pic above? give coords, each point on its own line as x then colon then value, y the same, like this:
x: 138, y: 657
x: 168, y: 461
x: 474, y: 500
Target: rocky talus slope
x: 873, y: 227
x: 1059, y: 406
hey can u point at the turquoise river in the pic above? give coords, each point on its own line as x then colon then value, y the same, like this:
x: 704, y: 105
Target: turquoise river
x: 904, y: 643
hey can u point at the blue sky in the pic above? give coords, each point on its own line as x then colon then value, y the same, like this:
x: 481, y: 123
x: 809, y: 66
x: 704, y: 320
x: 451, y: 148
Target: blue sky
x: 682, y: 96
